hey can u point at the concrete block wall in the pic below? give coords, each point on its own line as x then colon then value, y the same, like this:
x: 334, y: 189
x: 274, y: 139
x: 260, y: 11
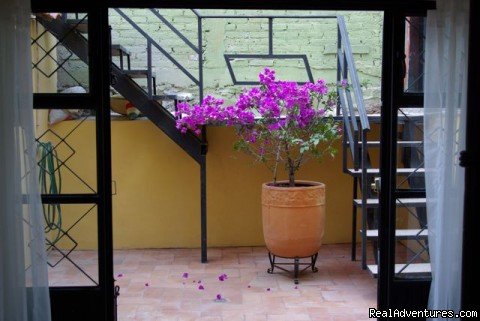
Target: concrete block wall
x: 314, y: 37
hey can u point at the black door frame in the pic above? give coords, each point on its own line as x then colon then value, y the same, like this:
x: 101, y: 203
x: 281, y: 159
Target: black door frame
x: 394, y: 292
x: 470, y: 160
x: 100, y: 300
x: 88, y: 302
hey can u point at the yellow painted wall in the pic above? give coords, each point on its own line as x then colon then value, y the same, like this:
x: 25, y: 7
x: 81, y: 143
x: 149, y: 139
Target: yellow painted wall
x: 157, y: 201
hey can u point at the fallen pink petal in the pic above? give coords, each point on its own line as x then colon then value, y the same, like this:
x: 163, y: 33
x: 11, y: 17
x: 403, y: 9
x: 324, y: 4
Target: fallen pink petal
x: 200, y: 287
x: 120, y: 275
x: 222, y: 277
x: 268, y: 289
x: 146, y: 284
x: 219, y: 297
x: 185, y: 275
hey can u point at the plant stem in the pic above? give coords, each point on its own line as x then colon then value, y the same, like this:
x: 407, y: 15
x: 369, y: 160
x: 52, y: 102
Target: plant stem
x: 276, y: 166
x: 290, y: 166
x: 291, y: 175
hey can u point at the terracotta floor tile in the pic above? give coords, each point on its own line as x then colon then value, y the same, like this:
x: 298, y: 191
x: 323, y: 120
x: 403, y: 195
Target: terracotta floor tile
x: 340, y: 290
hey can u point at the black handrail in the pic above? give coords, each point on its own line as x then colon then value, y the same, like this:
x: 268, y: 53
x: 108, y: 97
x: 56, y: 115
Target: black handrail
x: 175, y: 30
x: 158, y: 46
x: 352, y: 70
x: 347, y: 70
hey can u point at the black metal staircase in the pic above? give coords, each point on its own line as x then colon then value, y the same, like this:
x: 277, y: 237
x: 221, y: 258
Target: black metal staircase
x: 366, y: 183
x: 70, y: 32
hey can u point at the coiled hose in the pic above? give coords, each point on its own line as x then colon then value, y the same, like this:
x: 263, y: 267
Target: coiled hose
x: 50, y: 180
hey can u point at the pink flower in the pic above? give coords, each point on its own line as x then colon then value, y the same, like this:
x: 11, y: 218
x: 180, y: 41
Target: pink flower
x: 272, y: 120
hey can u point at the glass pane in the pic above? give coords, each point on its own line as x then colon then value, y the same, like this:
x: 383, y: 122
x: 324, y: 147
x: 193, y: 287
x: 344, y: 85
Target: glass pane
x: 72, y: 244
x: 414, y: 54
x: 66, y: 151
x: 59, y: 45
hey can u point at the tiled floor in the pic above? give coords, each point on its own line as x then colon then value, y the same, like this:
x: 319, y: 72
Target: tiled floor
x: 153, y: 287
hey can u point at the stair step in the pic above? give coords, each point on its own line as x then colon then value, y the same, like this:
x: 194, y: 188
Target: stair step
x: 117, y: 49
x: 410, y: 116
x: 138, y: 73
x: 412, y: 269
x: 164, y: 97
x: 376, y: 171
x: 402, y: 234
x: 81, y: 25
x: 400, y: 143
x: 374, y: 202
x: 180, y: 96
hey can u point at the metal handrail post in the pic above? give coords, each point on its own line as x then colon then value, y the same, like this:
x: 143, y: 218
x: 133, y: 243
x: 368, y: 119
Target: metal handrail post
x: 364, y: 198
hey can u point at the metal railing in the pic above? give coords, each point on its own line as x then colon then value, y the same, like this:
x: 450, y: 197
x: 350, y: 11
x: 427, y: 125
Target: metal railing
x: 152, y: 42
x: 343, y: 40
x: 355, y: 132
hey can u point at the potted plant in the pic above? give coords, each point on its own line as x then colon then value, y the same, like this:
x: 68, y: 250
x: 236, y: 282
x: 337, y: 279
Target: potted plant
x: 281, y: 124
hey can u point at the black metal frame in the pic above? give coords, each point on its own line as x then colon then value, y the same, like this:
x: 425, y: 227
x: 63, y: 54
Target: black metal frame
x: 100, y: 298
x: 296, y: 265
x: 230, y: 57
x: 394, y: 292
x: 470, y: 160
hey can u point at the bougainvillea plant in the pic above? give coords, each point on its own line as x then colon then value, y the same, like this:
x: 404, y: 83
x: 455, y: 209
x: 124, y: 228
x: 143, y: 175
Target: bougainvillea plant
x: 278, y: 122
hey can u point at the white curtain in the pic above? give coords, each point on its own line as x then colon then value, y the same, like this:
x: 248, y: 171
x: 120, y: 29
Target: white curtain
x: 445, y: 116
x: 23, y: 269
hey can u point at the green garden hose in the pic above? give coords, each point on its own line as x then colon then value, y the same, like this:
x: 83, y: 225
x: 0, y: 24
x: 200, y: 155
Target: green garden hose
x: 50, y: 180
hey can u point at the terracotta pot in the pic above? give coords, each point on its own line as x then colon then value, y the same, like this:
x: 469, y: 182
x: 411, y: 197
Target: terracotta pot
x: 293, y: 218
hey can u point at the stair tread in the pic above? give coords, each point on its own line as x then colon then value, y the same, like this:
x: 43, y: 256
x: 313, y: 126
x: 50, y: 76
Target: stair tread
x: 412, y: 114
x: 180, y: 96
x: 116, y: 49
x: 165, y: 97
x: 414, y: 268
x: 402, y: 233
x: 372, y: 202
x: 138, y: 73
x: 376, y: 171
x: 403, y: 143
